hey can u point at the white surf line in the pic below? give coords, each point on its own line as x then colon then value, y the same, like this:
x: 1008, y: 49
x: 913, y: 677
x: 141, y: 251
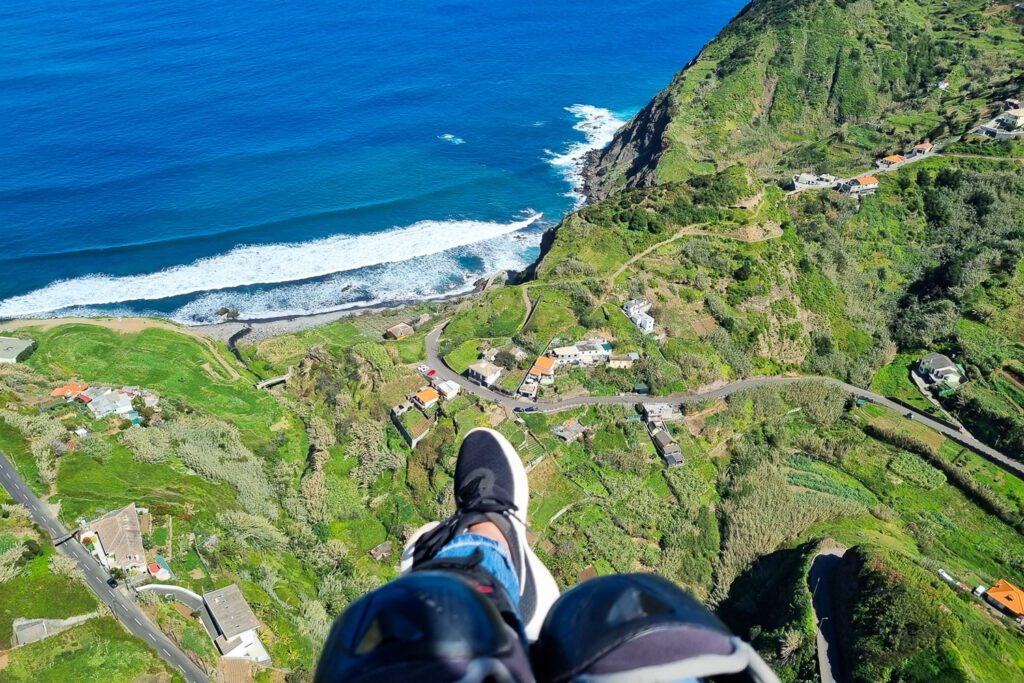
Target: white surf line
x: 598, y: 126
x: 265, y: 264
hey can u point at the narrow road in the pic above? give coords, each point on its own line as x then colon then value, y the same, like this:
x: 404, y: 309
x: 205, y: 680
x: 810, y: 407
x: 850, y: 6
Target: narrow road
x: 95, y: 577
x: 822, y: 582
x: 723, y: 391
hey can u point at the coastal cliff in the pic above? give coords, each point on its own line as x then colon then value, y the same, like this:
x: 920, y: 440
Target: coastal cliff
x: 631, y: 160
x: 816, y: 85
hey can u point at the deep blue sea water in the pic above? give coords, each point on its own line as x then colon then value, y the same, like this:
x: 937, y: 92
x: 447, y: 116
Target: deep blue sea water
x: 172, y: 157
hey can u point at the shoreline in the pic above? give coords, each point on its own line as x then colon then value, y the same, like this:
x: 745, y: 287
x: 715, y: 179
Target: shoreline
x: 259, y: 328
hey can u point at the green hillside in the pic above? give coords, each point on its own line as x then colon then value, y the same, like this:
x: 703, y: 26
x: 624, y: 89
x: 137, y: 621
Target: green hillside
x: 827, y: 85
x: 286, y: 491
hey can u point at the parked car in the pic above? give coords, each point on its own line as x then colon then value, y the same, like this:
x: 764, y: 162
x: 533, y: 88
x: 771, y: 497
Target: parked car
x: 422, y: 369
x: 431, y: 373
x: 523, y: 409
x: 112, y: 582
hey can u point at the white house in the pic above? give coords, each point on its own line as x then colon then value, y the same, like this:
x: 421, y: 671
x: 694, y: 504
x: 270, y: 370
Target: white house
x: 637, y: 312
x: 448, y: 389
x: 634, y: 306
x: 936, y: 368
x: 484, y: 372
x: 115, y: 539
x: 923, y: 149
x: 236, y: 625
x: 861, y: 185
x: 589, y: 352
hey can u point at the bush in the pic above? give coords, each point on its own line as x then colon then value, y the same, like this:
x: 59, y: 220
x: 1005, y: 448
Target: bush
x: 917, y: 470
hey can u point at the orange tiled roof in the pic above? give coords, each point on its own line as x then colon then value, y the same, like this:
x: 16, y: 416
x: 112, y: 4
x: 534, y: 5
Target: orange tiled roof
x: 427, y: 395
x: 544, y: 365
x: 924, y: 145
x: 1009, y: 596
x: 894, y: 159
x: 867, y: 181
x: 71, y: 390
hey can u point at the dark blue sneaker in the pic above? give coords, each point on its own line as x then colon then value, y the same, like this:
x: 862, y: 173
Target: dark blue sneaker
x: 491, y: 486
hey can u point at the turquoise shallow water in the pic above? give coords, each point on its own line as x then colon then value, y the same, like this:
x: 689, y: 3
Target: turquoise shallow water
x: 171, y: 158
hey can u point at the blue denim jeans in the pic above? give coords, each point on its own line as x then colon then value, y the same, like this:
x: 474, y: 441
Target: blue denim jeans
x: 496, y: 560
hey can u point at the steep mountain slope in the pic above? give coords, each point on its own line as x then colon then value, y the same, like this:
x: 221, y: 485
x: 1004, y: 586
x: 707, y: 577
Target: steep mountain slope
x: 819, y: 84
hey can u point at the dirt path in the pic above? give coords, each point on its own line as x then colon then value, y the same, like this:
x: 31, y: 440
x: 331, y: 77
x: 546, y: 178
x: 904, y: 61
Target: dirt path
x: 127, y: 326
x: 688, y: 231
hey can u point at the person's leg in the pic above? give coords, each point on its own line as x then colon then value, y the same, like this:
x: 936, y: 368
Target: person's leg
x: 491, y: 496
x: 471, y: 588
x: 639, y: 628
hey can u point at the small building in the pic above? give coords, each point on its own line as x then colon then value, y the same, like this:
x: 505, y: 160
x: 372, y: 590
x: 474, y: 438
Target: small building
x: 585, y: 353
x: 1012, y: 119
x: 426, y: 398
x: 236, y: 625
x: 861, y: 185
x: 116, y: 540
x: 103, y: 401
x: 1011, y: 102
x: 659, y: 412
x: 809, y: 180
x: 643, y: 321
x: 381, y: 551
x: 667, y: 447
x: 448, y: 389
x: 484, y: 372
x: 529, y: 388
x: 624, y: 362
x: 413, y: 424
x: 544, y: 366
x: 69, y: 391
x: 570, y: 430
x: 936, y: 368
x: 1007, y: 598
x: 923, y: 149
x: 13, y: 350
x: 158, y: 572
x: 892, y: 160
x: 637, y: 312
x: 634, y: 306
x: 399, y: 331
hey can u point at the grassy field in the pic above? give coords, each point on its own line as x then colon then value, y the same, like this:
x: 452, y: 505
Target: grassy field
x: 463, y: 355
x: 172, y: 364
x: 498, y: 313
x: 36, y: 592
x: 893, y: 381
x: 87, y: 487
x: 99, y: 649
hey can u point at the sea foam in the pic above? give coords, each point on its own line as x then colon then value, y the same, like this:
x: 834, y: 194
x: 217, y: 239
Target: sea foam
x: 598, y: 126
x: 417, y: 246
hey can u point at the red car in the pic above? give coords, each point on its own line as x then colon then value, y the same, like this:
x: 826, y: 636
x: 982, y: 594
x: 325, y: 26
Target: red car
x: 431, y: 373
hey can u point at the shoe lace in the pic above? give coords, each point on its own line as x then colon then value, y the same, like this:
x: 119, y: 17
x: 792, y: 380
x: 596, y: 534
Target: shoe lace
x: 473, y: 500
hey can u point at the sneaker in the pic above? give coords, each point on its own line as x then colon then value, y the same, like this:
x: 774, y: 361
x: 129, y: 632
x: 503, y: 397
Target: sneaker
x: 491, y: 486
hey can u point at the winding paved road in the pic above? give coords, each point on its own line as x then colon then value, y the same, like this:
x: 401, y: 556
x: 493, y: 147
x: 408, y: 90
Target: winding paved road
x: 961, y: 437
x: 95, y: 577
x: 821, y: 580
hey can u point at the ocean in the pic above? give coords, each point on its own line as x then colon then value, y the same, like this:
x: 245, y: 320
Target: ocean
x: 171, y: 158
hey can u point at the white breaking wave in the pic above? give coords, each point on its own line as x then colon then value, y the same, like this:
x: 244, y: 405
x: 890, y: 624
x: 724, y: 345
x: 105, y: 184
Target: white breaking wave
x: 598, y: 126
x: 428, y: 277
x: 454, y: 139
x: 271, y: 264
